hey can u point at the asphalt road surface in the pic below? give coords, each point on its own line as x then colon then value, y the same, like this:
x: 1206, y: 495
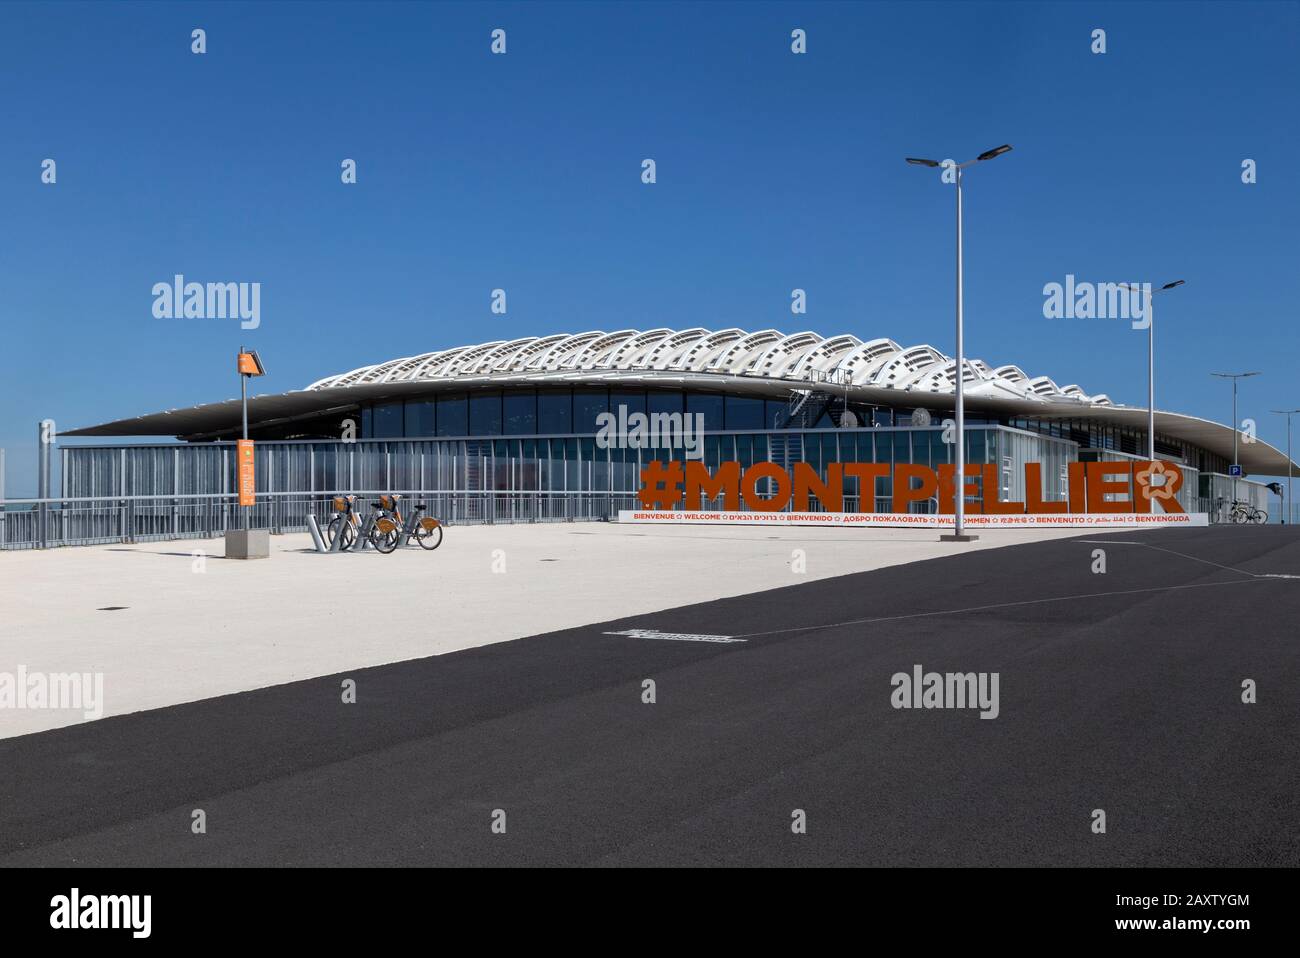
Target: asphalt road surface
x: 1119, y: 691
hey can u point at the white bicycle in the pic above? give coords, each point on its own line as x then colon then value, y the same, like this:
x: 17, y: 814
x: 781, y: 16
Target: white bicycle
x: 1242, y: 511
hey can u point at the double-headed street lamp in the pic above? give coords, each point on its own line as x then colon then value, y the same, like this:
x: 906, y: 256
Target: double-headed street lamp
x: 1290, y: 470
x: 959, y: 534
x: 1151, y: 359
x: 1236, y: 428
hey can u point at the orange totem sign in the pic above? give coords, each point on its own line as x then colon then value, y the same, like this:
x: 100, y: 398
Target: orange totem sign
x: 672, y: 484
x: 247, y: 483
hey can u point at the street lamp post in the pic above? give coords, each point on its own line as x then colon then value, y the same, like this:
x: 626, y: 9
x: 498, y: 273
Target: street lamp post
x: 249, y: 365
x: 1236, y: 428
x: 959, y: 497
x: 245, y: 542
x: 243, y: 405
x: 1151, y: 359
x: 1290, y: 471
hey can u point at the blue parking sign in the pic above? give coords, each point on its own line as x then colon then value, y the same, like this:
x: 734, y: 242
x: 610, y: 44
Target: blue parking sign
x: 1234, y: 470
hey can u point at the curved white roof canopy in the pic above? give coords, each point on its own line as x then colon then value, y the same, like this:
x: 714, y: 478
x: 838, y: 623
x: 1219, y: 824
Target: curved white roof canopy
x: 797, y: 360
x: 763, y: 363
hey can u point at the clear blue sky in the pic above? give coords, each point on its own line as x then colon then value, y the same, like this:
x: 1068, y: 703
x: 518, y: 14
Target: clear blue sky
x: 522, y: 171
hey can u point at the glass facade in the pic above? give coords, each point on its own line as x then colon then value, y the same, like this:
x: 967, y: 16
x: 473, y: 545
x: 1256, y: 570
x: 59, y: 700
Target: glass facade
x: 545, y: 412
x: 548, y: 466
x: 544, y: 440
x: 1128, y: 440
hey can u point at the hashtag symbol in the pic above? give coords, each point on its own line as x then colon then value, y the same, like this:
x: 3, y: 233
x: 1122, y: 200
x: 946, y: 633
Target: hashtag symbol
x: 661, y: 486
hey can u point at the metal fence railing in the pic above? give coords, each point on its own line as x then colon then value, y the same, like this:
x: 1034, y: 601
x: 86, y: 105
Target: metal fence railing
x: 97, y: 520
x: 92, y: 520
x: 48, y: 523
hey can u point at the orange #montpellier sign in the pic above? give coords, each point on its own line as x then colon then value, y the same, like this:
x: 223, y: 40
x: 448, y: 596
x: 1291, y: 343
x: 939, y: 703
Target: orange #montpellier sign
x: 1093, y: 487
x: 247, y: 483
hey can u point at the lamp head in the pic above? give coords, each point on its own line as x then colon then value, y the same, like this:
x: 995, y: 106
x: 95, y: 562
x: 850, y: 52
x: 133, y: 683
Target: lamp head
x: 250, y: 364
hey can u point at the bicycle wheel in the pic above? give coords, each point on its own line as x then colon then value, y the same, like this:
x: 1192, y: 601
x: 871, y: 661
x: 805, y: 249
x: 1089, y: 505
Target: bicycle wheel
x: 385, y: 536
x: 1260, y: 517
x: 429, y: 538
x: 1237, y: 517
x: 332, y: 532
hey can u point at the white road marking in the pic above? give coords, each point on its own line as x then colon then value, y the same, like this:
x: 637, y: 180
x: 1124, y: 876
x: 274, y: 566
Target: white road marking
x: 674, y: 636
x: 1006, y: 605
x: 1254, y: 575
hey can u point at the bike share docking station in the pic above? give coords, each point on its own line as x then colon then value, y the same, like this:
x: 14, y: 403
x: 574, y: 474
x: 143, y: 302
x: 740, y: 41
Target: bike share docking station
x: 384, y: 528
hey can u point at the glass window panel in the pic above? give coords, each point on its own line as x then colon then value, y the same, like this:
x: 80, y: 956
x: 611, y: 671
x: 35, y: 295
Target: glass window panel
x: 707, y: 404
x: 485, y: 414
x: 711, y: 459
x: 633, y: 400
x: 388, y: 421
x: 745, y: 450
x: 775, y: 413
x: 555, y: 465
x: 597, y: 473
x: 626, y: 475
x: 831, y: 449
x: 664, y: 402
x: 587, y: 405
x: 528, y: 473
x: 500, y: 465
x: 554, y: 412
x: 667, y: 437
x: 902, y: 446
x: 520, y: 412
x: 419, y: 419
x: 743, y: 412
x: 573, y: 466
x: 812, y: 451
x: 453, y: 415
x: 940, y: 451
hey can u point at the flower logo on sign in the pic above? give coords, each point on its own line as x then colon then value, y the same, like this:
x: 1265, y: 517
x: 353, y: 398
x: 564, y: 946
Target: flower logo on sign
x: 1157, y: 481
